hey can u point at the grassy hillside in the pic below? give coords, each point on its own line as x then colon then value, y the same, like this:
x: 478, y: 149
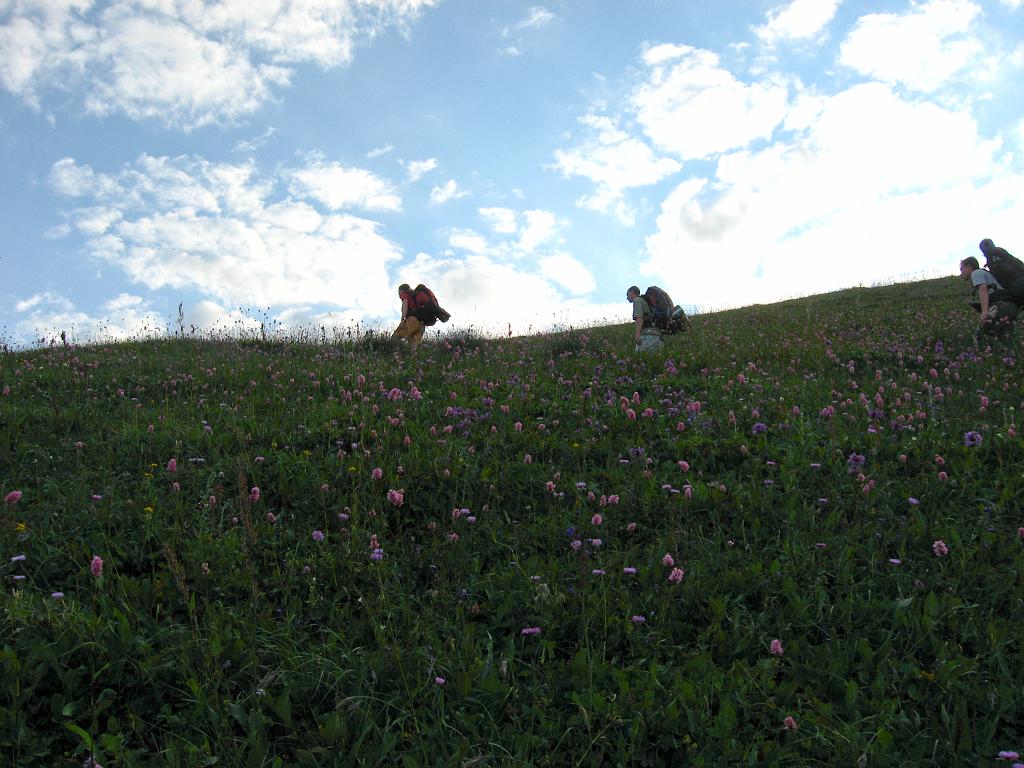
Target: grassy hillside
x: 795, y: 538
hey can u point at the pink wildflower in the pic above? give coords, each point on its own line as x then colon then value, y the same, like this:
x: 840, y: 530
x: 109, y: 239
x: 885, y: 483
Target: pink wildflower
x: 684, y: 465
x: 790, y: 723
x: 776, y: 648
x: 12, y: 498
x: 96, y: 566
x: 597, y: 520
x: 632, y: 527
x: 667, y: 559
x: 172, y: 465
x: 318, y: 535
x: 939, y: 548
x: 439, y: 680
x: 395, y: 498
x: 528, y: 631
x: 377, y: 473
x: 254, y: 494
x: 676, y: 575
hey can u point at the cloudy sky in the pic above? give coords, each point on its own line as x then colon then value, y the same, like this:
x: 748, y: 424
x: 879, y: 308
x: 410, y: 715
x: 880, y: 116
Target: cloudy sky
x: 293, y: 161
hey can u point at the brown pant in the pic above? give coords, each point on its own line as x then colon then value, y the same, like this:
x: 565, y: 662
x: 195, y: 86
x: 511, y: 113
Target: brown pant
x: 411, y: 328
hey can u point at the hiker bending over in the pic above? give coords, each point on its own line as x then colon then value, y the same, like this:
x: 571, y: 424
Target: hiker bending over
x: 419, y: 309
x: 995, y: 303
x: 647, y: 337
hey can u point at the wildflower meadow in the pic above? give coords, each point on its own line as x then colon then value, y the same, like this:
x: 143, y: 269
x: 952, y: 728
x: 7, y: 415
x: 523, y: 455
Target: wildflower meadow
x: 793, y: 538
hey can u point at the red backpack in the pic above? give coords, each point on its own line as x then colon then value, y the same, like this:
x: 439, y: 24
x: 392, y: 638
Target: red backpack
x: 424, y: 307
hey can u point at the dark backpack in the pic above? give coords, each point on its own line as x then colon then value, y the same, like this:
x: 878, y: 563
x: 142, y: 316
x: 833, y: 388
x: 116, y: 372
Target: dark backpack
x: 665, y: 315
x: 1008, y: 270
x: 424, y: 306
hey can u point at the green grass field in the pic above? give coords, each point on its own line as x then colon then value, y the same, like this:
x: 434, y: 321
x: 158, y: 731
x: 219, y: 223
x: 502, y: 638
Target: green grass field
x: 517, y: 552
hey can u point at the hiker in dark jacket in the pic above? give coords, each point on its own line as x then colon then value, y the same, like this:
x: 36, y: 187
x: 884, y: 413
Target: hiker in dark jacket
x: 995, y: 303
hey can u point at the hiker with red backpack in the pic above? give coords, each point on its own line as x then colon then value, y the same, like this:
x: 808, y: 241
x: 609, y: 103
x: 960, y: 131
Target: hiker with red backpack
x: 419, y: 310
x: 654, y: 315
x: 997, y: 305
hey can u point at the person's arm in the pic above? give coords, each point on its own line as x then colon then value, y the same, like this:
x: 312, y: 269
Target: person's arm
x: 639, y: 325
x: 405, y: 308
x: 983, y: 300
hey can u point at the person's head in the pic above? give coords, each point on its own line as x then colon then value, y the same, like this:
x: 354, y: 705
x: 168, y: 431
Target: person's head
x: 967, y: 266
x: 632, y: 292
x: 986, y: 245
x: 404, y: 288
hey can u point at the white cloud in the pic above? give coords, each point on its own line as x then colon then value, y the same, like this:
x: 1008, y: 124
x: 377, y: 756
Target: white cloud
x: 417, y: 168
x: 57, y: 232
x: 124, y: 317
x: 338, y: 187
x: 868, y: 191
x: 540, y: 228
x: 187, y: 223
x: 501, y: 220
x: 379, y: 151
x: 251, y: 145
x: 537, y: 18
x: 800, y: 20
x: 920, y: 49
x: 568, y: 272
x: 185, y: 64
x: 691, y: 106
x: 448, y: 191
x: 615, y: 161
x: 468, y: 240
x: 46, y: 297
x: 494, y: 297
x: 529, y: 234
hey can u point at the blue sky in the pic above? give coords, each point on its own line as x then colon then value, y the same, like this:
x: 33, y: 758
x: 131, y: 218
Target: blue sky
x: 295, y: 161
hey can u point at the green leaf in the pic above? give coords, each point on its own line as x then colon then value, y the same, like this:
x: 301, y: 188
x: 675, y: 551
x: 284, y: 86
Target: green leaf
x: 83, y: 735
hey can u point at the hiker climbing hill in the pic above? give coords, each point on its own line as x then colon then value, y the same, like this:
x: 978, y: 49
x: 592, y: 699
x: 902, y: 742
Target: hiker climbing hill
x: 654, y: 316
x: 420, y: 309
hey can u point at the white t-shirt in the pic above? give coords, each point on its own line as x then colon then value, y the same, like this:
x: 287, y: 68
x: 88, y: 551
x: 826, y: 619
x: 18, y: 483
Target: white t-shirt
x: 981, y: 277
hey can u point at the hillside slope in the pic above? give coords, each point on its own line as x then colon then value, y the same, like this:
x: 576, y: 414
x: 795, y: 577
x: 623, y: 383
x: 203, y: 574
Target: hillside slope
x: 794, y: 538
